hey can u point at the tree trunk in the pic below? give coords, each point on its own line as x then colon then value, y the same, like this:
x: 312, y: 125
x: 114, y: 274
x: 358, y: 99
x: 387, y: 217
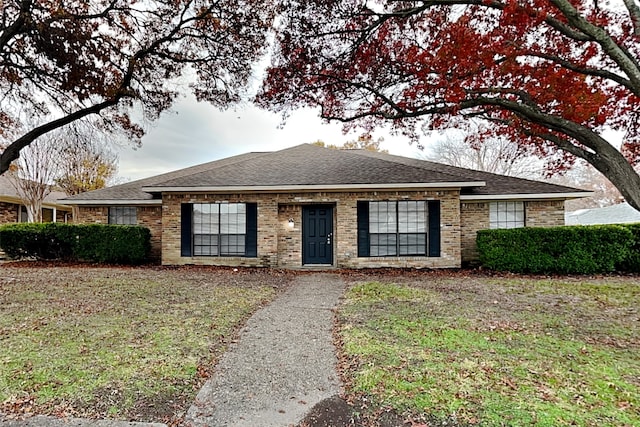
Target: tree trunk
x: 621, y: 174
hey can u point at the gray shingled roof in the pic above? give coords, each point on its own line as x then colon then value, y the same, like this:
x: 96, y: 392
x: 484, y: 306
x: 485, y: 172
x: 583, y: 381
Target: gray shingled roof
x: 310, y: 165
x: 622, y: 213
x: 133, y: 190
x: 8, y: 192
x: 495, y: 184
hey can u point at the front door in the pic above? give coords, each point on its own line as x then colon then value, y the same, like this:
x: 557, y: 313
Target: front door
x: 317, y: 234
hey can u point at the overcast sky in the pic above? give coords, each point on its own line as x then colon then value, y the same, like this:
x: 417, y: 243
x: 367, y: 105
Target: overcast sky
x: 195, y: 133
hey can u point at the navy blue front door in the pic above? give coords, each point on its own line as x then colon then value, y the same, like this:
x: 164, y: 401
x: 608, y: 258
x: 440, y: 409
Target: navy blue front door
x: 317, y: 234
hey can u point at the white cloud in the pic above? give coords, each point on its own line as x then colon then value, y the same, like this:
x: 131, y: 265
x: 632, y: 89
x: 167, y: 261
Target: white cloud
x: 196, y: 133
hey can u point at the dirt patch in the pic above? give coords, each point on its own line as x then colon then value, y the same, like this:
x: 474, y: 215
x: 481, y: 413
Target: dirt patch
x: 336, y: 412
x: 331, y: 412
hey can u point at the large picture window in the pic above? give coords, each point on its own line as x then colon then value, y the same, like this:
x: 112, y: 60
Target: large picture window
x: 219, y: 229
x: 398, y: 228
x: 123, y: 215
x: 506, y: 215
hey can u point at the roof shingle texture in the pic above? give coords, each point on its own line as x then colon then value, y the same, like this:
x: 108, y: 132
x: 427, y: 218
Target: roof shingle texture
x: 312, y: 165
x: 622, y: 213
x: 8, y: 190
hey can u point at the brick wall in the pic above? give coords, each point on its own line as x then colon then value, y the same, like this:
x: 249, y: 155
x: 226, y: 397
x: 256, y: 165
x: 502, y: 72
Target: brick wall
x: 147, y: 216
x: 547, y: 213
x: 280, y: 245
x: 92, y: 215
x: 474, y: 216
x: 8, y: 213
x: 290, y: 238
x: 151, y: 217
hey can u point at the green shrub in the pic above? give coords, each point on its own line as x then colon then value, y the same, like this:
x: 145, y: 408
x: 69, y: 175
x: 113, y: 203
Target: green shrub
x: 33, y: 240
x: 119, y: 244
x: 96, y: 242
x: 562, y: 250
x: 632, y: 262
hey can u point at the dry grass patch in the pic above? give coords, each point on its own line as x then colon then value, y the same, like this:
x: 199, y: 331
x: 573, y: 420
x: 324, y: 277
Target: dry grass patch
x: 126, y: 343
x: 456, y: 349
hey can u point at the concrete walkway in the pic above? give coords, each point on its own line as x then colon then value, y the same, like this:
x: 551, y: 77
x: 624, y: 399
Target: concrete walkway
x: 283, y: 364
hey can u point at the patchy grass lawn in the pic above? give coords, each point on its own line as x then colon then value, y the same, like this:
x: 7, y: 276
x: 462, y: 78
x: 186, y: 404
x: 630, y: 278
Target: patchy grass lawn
x: 454, y: 349
x: 126, y: 343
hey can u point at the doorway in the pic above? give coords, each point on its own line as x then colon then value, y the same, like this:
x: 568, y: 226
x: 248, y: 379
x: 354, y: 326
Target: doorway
x: 317, y: 234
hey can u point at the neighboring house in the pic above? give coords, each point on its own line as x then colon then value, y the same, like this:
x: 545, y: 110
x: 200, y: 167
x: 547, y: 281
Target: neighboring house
x: 621, y: 213
x: 12, y: 208
x: 313, y: 206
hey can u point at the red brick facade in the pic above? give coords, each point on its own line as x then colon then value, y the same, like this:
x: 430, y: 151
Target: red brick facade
x: 280, y: 245
x: 8, y: 213
x: 147, y: 216
x: 475, y: 216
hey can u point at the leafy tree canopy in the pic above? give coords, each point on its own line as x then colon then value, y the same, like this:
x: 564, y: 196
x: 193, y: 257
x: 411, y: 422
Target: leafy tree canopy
x: 364, y: 142
x: 550, y: 74
x: 61, y: 61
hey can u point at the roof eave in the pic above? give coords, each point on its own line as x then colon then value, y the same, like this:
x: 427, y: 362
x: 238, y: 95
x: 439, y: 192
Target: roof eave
x: 45, y: 204
x: 102, y: 202
x: 301, y: 188
x: 521, y: 196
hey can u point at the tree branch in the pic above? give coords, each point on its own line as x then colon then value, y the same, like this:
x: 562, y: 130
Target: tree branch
x: 12, y: 152
x: 634, y: 13
x: 621, y: 56
x: 17, y: 25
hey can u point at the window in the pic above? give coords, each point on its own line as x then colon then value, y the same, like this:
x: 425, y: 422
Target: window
x: 398, y: 228
x: 123, y: 215
x: 23, y: 215
x: 506, y: 214
x: 47, y: 215
x: 219, y: 229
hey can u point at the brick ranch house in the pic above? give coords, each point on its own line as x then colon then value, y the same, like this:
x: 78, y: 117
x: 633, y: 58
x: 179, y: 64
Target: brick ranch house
x: 313, y: 206
x: 13, y: 209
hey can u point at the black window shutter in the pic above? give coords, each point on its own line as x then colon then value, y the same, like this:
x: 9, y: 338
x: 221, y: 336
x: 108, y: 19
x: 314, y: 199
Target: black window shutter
x: 251, y: 237
x: 185, y: 226
x: 434, y: 228
x: 363, y: 229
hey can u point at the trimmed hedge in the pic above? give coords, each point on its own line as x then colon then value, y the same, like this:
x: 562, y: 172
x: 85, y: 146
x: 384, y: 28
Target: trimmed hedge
x: 561, y: 250
x: 112, y: 244
x: 632, y: 262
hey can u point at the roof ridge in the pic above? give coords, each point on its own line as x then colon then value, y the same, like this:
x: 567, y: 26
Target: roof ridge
x: 190, y: 170
x: 167, y: 176
x: 310, y: 167
x: 403, y: 161
x: 439, y: 166
x: 239, y: 158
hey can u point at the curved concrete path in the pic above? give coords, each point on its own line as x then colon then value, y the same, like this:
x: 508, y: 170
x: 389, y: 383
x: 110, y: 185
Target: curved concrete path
x: 282, y: 365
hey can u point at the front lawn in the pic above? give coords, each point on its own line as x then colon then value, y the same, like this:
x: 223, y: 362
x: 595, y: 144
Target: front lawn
x: 454, y: 349
x: 126, y: 343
